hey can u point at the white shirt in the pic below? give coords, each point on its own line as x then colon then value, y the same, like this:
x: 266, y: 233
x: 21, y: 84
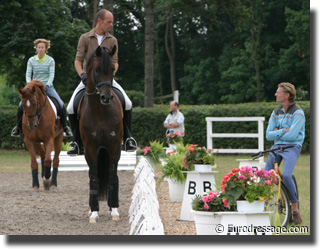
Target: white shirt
x: 99, y: 39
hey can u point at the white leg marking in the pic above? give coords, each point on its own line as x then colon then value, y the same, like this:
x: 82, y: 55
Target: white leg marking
x: 94, y: 217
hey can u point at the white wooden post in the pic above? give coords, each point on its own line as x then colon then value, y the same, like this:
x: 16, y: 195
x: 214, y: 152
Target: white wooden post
x: 258, y: 135
x: 176, y: 96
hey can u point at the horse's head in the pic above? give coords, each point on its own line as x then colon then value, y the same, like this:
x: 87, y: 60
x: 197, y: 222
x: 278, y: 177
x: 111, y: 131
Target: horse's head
x: 31, y: 101
x: 100, y: 74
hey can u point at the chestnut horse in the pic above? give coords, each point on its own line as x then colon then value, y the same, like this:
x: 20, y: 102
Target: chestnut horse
x: 41, y: 134
x: 101, y: 130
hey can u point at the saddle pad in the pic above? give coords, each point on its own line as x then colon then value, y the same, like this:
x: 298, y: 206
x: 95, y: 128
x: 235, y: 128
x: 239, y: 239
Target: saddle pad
x: 53, y: 107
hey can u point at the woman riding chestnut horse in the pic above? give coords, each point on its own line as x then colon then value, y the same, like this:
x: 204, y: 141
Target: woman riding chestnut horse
x: 42, y: 133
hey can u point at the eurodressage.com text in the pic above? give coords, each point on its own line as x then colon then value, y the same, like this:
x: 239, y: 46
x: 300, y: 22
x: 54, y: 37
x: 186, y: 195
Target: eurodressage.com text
x: 263, y: 229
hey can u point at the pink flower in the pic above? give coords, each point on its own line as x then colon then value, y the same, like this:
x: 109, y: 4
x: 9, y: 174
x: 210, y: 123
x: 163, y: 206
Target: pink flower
x: 182, y: 133
x: 184, y: 162
x: 205, y: 199
x: 146, y: 150
x: 225, y: 202
x: 241, y: 176
x: 168, y: 135
x: 206, y: 206
x: 191, y: 147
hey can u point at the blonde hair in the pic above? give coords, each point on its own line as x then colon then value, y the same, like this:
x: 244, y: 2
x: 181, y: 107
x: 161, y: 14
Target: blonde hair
x: 41, y: 40
x: 289, y: 88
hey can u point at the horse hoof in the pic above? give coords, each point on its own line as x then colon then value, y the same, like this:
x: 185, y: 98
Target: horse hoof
x: 35, y: 190
x: 46, y: 184
x: 94, y: 217
x: 116, y: 217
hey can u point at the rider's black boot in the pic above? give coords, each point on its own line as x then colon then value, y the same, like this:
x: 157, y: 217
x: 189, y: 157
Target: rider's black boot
x: 63, y: 119
x: 77, y: 148
x: 129, y: 142
x: 16, y: 131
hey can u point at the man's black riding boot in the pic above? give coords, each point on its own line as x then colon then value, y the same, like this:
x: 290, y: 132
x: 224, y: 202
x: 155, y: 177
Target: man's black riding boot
x: 63, y: 119
x: 129, y: 142
x: 77, y: 148
x: 16, y: 131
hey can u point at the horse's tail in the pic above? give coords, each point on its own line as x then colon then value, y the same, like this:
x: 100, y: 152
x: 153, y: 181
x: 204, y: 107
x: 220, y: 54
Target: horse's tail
x: 103, y: 174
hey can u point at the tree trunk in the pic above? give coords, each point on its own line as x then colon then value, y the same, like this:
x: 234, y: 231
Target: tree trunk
x: 108, y: 5
x: 149, y: 54
x: 95, y: 10
x: 171, y: 51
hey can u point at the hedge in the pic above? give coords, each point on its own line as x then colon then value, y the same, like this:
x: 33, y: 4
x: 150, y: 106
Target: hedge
x: 147, y: 124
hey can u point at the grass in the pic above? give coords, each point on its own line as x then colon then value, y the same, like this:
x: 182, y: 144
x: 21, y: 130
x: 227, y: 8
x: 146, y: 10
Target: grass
x: 19, y: 161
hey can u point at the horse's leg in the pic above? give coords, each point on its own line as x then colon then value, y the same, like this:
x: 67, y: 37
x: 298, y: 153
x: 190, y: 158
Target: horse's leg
x: 41, y: 152
x: 113, y: 197
x: 94, y: 185
x: 47, y: 164
x: 94, y: 199
x: 34, y: 165
x: 56, y: 160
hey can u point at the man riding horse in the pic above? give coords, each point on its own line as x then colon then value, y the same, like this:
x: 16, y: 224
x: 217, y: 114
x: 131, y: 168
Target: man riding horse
x: 98, y: 36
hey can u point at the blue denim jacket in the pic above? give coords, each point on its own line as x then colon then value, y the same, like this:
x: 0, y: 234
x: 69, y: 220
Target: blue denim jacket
x: 293, y: 118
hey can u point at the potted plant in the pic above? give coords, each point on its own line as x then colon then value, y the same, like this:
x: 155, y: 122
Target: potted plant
x: 173, y: 138
x: 154, y: 152
x: 198, y: 158
x: 172, y: 171
x: 207, y: 210
x: 245, y: 186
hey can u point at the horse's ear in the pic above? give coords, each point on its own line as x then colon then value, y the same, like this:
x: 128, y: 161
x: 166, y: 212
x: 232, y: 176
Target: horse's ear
x: 41, y: 86
x: 98, y: 51
x: 113, y: 50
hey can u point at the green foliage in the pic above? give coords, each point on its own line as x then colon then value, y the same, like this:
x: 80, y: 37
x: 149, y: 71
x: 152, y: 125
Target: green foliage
x: 7, y: 122
x: 136, y: 97
x: 156, y: 149
x: 173, y: 167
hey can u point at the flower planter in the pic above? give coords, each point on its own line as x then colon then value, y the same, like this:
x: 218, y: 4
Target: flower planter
x: 202, y: 168
x: 207, y: 222
x: 246, y: 207
x: 176, y: 190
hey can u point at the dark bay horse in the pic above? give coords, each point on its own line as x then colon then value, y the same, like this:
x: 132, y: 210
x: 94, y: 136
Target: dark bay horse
x: 41, y: 134
x: 101, y: 130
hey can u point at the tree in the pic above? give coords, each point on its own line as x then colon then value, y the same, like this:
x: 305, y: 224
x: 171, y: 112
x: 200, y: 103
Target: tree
x: 149, y: 53
x: 50, y: 19
x: 171, y: 49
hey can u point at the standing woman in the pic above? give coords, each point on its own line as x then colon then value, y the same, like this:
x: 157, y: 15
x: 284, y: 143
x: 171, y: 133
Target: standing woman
x: 41, y: 67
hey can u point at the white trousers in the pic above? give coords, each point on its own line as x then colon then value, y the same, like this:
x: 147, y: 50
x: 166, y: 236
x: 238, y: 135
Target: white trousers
x: 128, y: 103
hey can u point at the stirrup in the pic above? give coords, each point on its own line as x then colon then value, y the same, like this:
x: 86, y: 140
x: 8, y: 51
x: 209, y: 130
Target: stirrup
x: 18, y: 130
x: 125, y: 144
x: 73, y: 143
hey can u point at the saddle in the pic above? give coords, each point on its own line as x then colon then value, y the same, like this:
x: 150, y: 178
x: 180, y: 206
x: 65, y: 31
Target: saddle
x: 58, y: 109
x: 79, y: 97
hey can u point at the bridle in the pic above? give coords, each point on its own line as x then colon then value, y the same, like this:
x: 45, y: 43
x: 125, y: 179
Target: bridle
x: 99, y: 85
x: 37, y: 114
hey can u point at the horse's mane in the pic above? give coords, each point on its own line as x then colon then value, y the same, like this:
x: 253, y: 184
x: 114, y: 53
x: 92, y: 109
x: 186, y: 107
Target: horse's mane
x: 36, y: 84
x: 104, y: 59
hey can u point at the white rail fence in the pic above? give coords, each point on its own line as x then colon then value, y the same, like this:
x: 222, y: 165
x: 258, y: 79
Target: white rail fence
x: 144, y: 215
x: 127, y: 161
x: 258, y: 135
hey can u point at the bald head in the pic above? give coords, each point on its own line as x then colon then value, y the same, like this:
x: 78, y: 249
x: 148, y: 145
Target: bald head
x: 102, y: 14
